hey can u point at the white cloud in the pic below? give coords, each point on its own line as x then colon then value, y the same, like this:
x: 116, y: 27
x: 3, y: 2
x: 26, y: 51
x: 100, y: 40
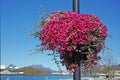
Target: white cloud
x: 2, y: 67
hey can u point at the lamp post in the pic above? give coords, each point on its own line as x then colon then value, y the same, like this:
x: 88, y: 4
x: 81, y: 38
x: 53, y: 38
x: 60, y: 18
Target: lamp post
x: 76, y: 74
x: 76, y: 6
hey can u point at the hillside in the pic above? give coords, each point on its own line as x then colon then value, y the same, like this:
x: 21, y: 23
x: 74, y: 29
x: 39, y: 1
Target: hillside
x: 32, y: 71
x: 39, y: 66
x: 101, y: 69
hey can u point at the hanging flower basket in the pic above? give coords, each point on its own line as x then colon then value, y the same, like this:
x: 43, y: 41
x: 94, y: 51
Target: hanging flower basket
x: 70, y: 33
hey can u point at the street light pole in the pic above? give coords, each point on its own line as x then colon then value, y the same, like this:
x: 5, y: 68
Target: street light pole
x: 76, y: 74
x: 76, y: 6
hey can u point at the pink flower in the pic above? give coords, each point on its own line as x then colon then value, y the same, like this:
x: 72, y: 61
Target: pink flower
x: 74, y: 41
x: 74, y: 47
x: 75, y: 66
x: 94, y: 63
x: 67, y: 32
x: 69, y: 48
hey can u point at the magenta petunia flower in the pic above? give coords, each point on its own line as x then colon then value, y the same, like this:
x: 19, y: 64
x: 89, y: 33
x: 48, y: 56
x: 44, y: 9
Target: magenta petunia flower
x: 68, y: 33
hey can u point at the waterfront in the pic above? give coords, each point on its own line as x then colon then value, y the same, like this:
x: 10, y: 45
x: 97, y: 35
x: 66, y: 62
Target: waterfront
x: 35, y: 77
x: 50, y: 77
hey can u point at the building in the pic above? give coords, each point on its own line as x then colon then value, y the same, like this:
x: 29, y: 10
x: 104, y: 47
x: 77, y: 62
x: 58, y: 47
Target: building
x: 117, y: 72
x: 7, y: 72
x: 61, y: 73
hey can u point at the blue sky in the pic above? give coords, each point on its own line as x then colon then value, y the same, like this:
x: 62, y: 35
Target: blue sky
x: 19, y: 16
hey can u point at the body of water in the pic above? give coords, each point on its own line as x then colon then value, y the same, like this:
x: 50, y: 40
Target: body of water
x: 34, y: 77
x: 43, y: 78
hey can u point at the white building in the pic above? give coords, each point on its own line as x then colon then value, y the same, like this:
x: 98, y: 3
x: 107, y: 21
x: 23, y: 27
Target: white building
x: 5, y: 72
x: 117, y: 72
x: 10, y: 73
x: 61, y: 73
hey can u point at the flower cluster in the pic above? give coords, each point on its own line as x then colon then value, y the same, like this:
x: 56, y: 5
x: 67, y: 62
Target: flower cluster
x: 70, y: 33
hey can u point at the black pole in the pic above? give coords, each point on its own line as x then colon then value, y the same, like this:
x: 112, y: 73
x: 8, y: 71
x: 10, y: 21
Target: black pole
x: 76, y: 6
x: 76, y: 74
